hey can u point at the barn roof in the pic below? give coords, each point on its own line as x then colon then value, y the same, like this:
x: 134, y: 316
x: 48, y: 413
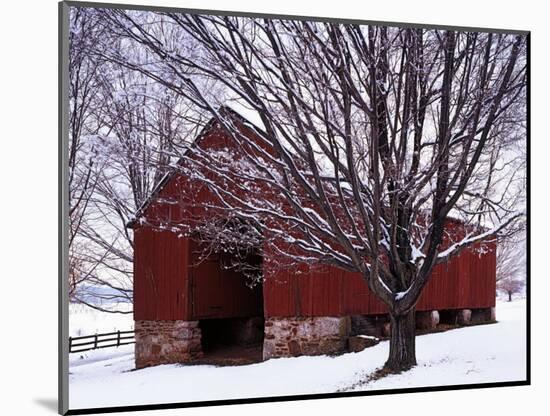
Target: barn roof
x: 224, y: 111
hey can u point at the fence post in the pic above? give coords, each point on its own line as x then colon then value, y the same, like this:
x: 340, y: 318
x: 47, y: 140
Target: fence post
x: 96, y: 340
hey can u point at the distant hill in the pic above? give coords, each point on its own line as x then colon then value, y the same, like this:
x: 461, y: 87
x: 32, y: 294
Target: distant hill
x: 99, y: 295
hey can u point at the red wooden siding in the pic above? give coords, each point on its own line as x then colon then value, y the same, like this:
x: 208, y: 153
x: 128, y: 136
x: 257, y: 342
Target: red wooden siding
x: 216, y: 292
x: 169, y: 285
x: 160, y: 275
x: 467, y: 281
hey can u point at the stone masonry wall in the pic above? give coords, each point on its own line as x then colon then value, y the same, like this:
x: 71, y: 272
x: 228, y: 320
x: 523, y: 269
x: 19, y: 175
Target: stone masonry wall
x: 166, y: 342
x: 373, y: 325
x: 467, y: 316
x: 426, y: 320
x: 294, y: 336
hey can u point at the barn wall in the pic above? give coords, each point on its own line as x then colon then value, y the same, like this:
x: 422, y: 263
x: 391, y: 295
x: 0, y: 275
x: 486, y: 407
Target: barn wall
x: 467, y: 281
x: 166, y: 288
x: 170, y: 283
x: 216, y: 292
x: 160, y: 275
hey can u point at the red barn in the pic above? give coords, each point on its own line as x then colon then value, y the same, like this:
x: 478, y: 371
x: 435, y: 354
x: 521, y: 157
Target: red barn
x: 188, y: 309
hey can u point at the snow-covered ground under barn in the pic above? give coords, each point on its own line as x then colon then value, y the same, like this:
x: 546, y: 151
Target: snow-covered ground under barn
x: 477, y: 354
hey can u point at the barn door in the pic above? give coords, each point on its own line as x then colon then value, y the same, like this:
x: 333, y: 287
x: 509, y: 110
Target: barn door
x: 206, y: 287
x: 221, y: 292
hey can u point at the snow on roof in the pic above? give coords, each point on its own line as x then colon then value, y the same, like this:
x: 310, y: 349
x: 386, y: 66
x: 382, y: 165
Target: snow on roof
x: 248, y: 114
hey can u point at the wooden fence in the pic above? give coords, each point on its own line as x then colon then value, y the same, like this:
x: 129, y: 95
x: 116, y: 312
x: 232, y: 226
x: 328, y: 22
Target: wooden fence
x: 106, y: 340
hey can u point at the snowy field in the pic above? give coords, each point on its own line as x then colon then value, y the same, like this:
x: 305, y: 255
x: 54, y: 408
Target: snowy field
x: 84, y: 320
x: 478, y: 354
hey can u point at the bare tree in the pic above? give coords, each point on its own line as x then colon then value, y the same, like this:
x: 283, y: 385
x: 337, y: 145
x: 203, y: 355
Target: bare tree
x: 511, y: 285
x: 124, y: 132
x: 369, y: 138
x: 139, y: 124
x: 82, y: 92
x: 512, y: 265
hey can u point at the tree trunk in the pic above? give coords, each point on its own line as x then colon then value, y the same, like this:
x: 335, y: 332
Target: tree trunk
x: 402, y: 343
x: 509, y: 296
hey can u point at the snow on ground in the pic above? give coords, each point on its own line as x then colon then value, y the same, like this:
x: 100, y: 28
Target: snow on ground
x: 478, y: 354
x: 84, y: 320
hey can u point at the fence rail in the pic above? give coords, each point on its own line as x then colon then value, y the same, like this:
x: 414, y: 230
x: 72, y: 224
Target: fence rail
x: 106, y: 340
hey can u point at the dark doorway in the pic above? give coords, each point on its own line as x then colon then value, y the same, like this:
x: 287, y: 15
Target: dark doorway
x: 232, y: 341
x: 227, y: 300
x: 219, y: 290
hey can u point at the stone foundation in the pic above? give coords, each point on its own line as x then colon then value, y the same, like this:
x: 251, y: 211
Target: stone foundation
x: 373, y: 325
x: 379, y: 325
x: 295, y: 336
x: 166, y: 342
x: 427, y: 320
x: 464, y: 316
x: 483, y: 315
x: 467, y: 316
